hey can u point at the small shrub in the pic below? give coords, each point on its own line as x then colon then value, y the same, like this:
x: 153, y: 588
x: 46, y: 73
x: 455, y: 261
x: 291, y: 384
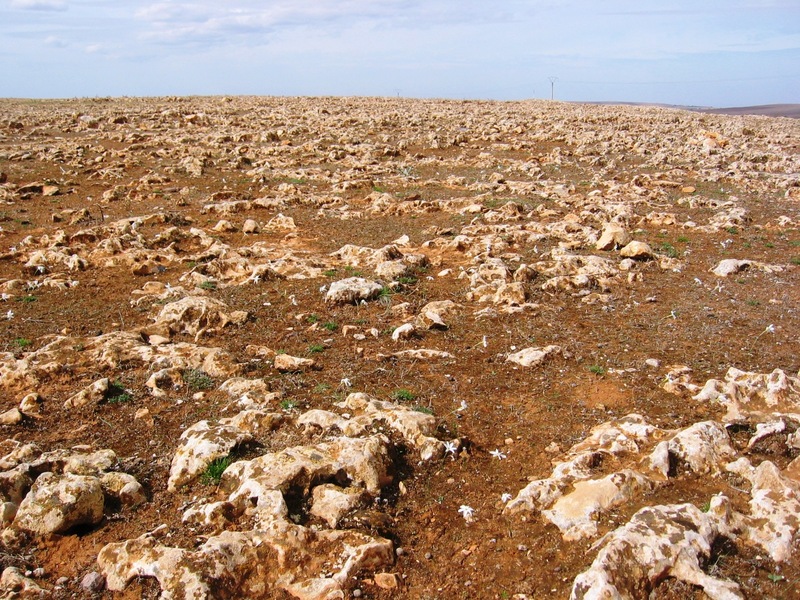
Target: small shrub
x: 22, y: 342
x: 197, y: 380
x: 668, y: 249
x: 597, y: 370
x: 117, y: 394
x: 316, y: 348
x: 312, y: 318
x: 208, y: 285
x: 403, y: 395
x: 330, y: 325
x: 215, y: 469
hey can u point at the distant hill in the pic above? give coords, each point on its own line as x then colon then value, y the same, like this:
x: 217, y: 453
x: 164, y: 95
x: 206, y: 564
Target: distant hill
x: 768, y: 110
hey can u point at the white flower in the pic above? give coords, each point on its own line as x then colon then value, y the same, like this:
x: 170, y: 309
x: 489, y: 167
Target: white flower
x: 168, y: 287
x: 345, y: 382
x: 4, y: 297
x: 255, y: 278
x: 467, y: 512
x: 498, y: 454
x: 10, y: 315
x: 40, y: 269
x: 462, y: 406
x: 505, y: 498
x: 450, y: 447
x: 770, y: 329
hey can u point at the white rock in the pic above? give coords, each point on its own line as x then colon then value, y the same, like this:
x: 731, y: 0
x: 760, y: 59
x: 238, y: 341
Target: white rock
x: 613, y: 236
x: 658, y: 542
x: 250, y: 226
x: 636, y: 250
x: 352, y: 290
x: 57, y: 503
x: 199, y: 446
x: 288, y: 363
x: 330, y: 502
x: 93, y: 394
x: 403, y: 332
x: 533, y: 357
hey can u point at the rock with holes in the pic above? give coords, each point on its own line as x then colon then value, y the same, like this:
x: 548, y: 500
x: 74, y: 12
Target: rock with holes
x: 330, y: 502
x: 659, y: 542
x: 197, y: 316
x: 199, y: 446
x: 575, y: 513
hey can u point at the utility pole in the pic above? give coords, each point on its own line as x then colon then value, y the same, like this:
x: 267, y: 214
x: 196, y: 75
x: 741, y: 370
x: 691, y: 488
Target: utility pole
x: 552, y: 85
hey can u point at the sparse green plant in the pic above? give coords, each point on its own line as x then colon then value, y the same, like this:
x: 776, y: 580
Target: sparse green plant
x: 403, y: 395
x: 197, y: 380
x: 321, y: 388
x: 683, y: 239
x: 288, y: 404
x: 208, y: 285
x: 329, y: 273
x: 668, y: 249
x: 596, y: 369
x: 316, y: 348
x: 753, y: 303
x: 353, y: 272
x: 775, y: 578
x: 407, y: 280
x: 117, y: 394
x: 330, y: 325
x: 21, y: 342
x: 27, y: 299
x: 215, y: 469
x: 312, y: 318
x: 706, y: 507
x: 732, y: 230
x: 795, y: 260
x: 769, y: 244
x: 423, y: 409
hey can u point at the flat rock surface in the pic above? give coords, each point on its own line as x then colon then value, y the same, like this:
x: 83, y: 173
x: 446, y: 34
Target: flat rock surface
x: 414, y: 348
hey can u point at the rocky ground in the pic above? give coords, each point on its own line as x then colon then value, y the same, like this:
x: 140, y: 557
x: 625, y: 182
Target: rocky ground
x: 339, y: 348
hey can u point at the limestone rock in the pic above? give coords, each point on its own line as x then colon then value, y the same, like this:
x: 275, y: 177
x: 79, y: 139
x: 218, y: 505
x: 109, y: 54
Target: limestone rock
x: 637, y: 250
x: 330, y: 502
x: 197, y: 316
x: 288, y: 363
x: 533, y: 357
x: 94, y: 394
x: 14, y: 584
x: 434, y: 315
x: 635, y: 557
x: 199, y: 446
x: 251, y: 226
x: 613, y: 236
x: 12, y: 416
x: 57, y: 503
x: 352, y: 290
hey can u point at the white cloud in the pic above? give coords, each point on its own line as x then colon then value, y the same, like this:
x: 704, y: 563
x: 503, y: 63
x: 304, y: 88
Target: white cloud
x: 55, y: 42
x: 39, y: 4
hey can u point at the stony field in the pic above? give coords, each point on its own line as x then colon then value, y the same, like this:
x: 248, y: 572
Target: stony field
x: 326, y: 348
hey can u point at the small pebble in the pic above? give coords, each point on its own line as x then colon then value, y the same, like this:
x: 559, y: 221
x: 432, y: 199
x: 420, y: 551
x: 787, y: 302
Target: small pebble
x: 428, y: 556
x: 400, y: 551
x: 356, y: 593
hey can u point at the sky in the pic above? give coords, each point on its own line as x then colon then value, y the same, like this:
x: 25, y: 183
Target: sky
x: 687, y: 52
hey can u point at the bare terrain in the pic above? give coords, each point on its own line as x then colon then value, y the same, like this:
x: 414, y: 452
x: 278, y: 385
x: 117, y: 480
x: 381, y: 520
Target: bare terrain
x: 327, y: 348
